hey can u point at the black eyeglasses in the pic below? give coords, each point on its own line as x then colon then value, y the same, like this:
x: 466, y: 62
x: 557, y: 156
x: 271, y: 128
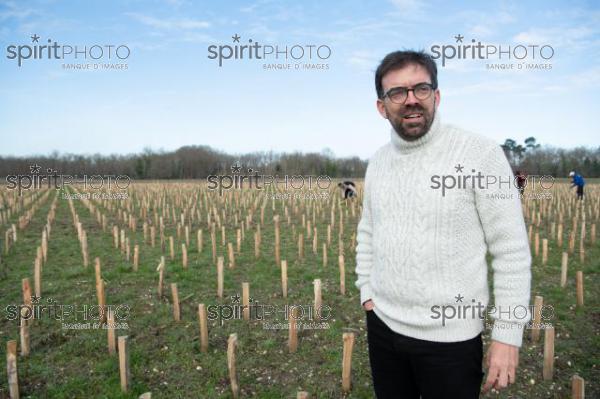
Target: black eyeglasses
x: 398, y: 95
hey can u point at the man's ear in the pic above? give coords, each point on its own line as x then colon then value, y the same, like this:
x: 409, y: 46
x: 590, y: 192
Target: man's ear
x: 381, y: 108
x: 437, y: 97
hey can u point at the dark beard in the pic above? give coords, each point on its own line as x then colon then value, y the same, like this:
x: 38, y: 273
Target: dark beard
x: 397, y: 125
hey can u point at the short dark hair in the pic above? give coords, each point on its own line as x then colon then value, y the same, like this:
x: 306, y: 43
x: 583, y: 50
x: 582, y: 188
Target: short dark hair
x: 400, y: 59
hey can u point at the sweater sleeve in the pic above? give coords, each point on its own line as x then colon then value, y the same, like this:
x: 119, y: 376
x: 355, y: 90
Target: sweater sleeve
x: 501, y: 217
x: 364, y: 248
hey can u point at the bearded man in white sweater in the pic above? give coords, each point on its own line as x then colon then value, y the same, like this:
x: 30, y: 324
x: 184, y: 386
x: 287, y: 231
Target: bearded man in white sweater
x: 436, y: 200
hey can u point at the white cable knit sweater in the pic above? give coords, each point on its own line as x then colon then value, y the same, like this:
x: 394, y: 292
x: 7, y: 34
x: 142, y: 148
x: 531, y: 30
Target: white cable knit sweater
x: 417, y: 249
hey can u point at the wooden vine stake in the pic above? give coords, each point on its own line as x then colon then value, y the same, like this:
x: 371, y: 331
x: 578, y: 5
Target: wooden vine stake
x: 256, y: 245
x: 199, y: 239
x: 293, y: 331
x: 231, y: 346
x: 342, y: 275
x: 184, y: 256
x: 572, y: 242
x: 26, y: 288
x: 161, y: 275
x: 24, y: 335
x: 100, y: 289
x: 231, y: 256
x: 37, y: 278
x: 136, y: 257
x: 6, y: 241
x: 175, y: 298
x: 579, y: 281
x: 577, y: 387
x: 11, y: 369
x: 544, y: 251
x: 124, y: 363
x: 110, y: 332
x: 45, y: 245
x: 548, y: 370
x: 246, y: 300
x: 213, y: 243
x: 127, y: 249
x: 172, y: 247
x: 564, y: 269
x: 277, y: 240
x: 348, y: 339
x: 220, y: 277
x: 559, y: 236
x: 284, y: 278
x: 122, y: 243
x: 537, y: 318
x: 203, y: 327
x: 318, y: 299
x: 84, y: 248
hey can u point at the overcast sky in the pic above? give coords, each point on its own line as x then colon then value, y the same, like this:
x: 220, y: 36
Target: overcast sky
x: 173, y: 95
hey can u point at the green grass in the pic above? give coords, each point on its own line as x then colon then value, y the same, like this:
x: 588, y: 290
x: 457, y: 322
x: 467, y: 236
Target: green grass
x: 165, y: 355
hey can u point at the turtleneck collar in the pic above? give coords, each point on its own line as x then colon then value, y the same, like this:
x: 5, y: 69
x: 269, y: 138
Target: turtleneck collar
x: 406, y: 147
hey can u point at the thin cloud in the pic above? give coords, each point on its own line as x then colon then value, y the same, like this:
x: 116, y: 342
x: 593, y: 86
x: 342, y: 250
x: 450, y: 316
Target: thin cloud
x: 177, y: 3
x: 14, y: 10
x: 408, y: 5
x: 254, y: 6
x: 481, y: 24
x: 480, y: 30
x: 585, y: 79
x: 170, y: 23
x: 558, y: 36
x: 364, y: 60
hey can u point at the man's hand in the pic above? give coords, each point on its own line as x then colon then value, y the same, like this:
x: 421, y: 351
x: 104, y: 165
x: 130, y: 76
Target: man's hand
x: 368, y: 305
x: 501, y: 361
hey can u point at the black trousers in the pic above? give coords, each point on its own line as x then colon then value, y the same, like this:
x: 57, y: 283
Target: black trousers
x: 406, y: 368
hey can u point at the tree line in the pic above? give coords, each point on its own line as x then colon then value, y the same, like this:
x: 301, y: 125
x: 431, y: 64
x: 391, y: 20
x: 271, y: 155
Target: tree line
x: 189, y: 162
x: 199, y: 162
x: 535, y: 159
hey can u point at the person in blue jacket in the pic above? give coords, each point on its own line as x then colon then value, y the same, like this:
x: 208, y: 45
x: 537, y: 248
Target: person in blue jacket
x: 578, y: 182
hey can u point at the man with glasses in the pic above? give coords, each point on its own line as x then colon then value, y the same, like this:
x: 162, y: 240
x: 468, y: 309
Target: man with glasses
x: 421, y: 253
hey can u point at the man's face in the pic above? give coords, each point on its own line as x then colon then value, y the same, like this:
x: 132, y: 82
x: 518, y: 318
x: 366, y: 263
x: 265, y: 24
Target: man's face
x: 414, y: 117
